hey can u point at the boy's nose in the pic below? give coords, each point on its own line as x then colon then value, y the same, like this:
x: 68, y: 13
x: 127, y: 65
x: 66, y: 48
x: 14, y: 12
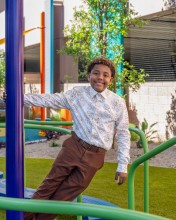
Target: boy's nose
x: 100, y: 76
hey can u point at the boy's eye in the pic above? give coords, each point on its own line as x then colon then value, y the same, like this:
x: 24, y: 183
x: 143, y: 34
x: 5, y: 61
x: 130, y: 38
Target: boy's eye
x: 106, y: 75
x: 95, y: 73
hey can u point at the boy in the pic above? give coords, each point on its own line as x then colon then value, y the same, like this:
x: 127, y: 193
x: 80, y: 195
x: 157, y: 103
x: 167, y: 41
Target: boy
x: 97, y: 113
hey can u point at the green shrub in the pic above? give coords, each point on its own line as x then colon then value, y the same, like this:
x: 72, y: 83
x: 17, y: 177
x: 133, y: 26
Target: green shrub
x: 148, y: 130
x: 134, y: 136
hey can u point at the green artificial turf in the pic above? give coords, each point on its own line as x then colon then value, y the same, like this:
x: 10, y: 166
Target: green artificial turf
x: 162, y: 186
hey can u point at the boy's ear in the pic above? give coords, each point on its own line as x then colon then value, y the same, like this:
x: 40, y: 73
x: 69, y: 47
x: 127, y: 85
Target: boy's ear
x: 88, y: 77
x: 111, y: 79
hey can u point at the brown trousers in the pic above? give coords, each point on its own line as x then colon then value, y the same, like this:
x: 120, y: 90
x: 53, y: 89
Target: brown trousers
x: 70, y: 175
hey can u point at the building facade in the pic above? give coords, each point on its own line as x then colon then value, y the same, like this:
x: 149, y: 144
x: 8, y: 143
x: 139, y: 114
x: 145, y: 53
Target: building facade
x: 153, y: 48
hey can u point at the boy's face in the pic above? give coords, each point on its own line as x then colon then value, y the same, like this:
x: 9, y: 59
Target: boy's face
x: 100, y: 77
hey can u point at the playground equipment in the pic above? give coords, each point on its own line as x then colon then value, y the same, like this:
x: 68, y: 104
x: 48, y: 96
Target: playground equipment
x: 31, y: 124
x: 2, y: 41
x: 14, y: 104
x: 69, y: 208
x: 136, y: 163
x: 42, y: 62
x: 58, y: 207
x: 146, y: 156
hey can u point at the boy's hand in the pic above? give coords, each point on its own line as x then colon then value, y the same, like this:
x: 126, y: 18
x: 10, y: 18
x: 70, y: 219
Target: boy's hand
x: 120, y: 177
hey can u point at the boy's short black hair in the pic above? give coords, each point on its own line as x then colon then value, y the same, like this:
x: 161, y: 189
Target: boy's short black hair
x: 104, y: 61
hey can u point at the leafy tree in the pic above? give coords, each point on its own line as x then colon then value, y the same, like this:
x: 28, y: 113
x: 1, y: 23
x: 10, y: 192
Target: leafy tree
x: 94, y: 32
x: 169, y: 4
x: 2, y: 70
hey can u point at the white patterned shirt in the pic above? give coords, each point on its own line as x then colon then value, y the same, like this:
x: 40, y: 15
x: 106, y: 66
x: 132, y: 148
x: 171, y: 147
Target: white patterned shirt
x: 96, y: 116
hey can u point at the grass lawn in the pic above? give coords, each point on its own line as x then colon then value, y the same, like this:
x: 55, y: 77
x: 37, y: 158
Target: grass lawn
x: 162, y: 186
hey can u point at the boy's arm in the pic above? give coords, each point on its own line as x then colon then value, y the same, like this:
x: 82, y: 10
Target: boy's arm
x: 55, y: 101
x: 123, y: 143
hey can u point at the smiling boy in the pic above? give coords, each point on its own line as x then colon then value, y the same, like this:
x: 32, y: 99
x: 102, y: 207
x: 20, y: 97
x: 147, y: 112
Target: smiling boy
x: 97, y: 113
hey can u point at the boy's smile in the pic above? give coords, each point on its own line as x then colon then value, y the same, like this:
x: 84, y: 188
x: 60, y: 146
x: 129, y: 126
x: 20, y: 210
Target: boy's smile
x: 100, y: 77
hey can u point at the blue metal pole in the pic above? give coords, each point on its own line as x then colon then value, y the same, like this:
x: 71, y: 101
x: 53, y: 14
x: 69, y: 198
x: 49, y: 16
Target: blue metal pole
x: 14, y: 105
x: 51, y: 46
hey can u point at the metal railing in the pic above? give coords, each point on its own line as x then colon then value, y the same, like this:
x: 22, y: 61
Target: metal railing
x: 72, y: 208
x: 43, y: 127
x: 146, y: 169
x: 58, y: 123
x: 140, y: 160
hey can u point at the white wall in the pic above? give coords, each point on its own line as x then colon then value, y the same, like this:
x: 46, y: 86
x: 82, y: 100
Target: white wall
x: 153, y: 101
x: 68, y: 86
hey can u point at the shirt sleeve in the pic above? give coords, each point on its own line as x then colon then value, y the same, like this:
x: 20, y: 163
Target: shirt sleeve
x: 123, y: 139
x: 55, y: 101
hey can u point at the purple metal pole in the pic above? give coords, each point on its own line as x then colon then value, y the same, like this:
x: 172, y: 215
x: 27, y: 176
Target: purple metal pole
x: 51, y: 46
x: 14, y: 105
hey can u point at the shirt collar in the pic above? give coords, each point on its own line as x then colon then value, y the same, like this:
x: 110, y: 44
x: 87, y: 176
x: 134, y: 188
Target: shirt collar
x: 93, y: 93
